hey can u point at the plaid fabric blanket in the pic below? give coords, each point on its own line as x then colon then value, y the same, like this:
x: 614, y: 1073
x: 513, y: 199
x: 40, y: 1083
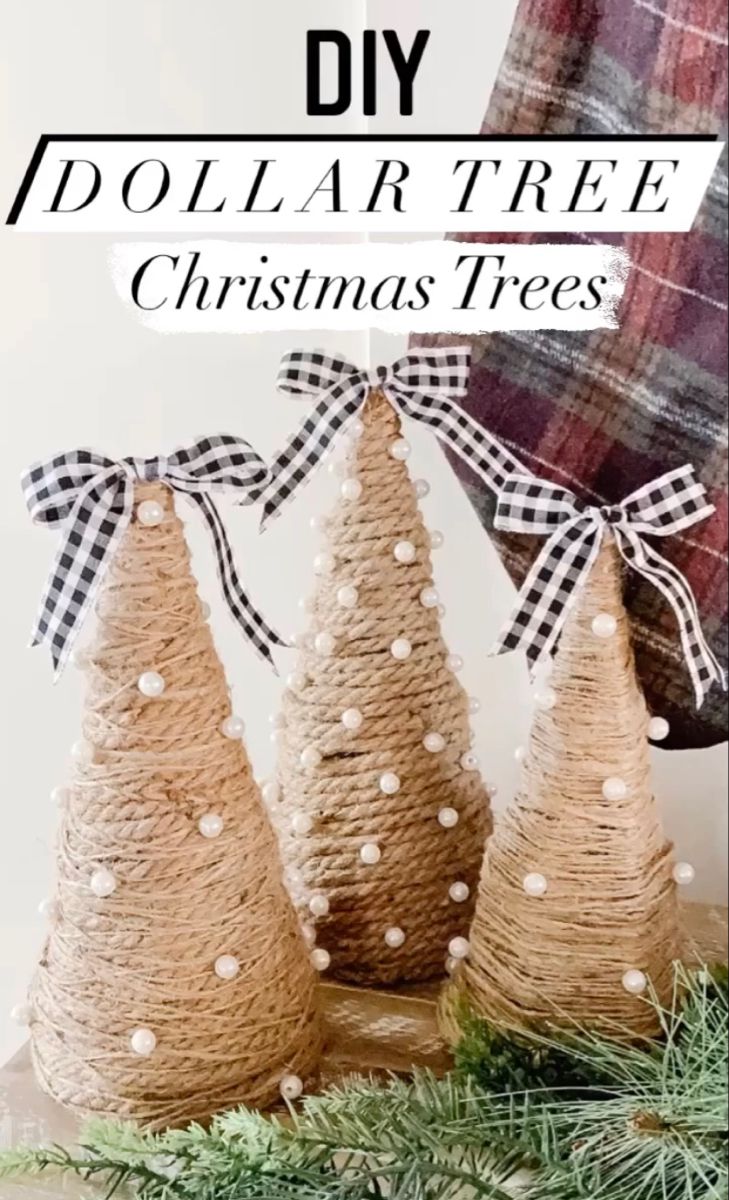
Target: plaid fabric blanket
x: 607, y: 411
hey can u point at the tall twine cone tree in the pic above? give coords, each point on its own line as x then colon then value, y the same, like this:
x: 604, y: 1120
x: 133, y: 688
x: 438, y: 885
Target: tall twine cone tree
x: 577, y: 903
x: 380, y: 804
x: 174, y: 982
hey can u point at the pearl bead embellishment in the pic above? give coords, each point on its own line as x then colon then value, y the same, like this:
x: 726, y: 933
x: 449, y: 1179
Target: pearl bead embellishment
x: 401, y: 649
x: 81, y: 752
x: 474, y: 705
x: 319, y: 906
x: 395, y: 938
x: 310, y: 757
x: 437, y: 539
x: 351, y: 489
x: 459, y: 948
x: 545, y: 698
x: 389, y: 783
x: 352, y: 719
x: 48, y: 909
x: 604, y: 625
x: 233, y: 728
x: 635, y: 982
x: 103, y: 883
x: 470, y: 761
x: 459, y: 893
x: 658, y: 729
x: 422, y: 488
x: 151, y: 684
x: 405, y: 552
x: 370, y: 854
x: 434, y: 743
x: 454, y: 663
x: 429, y: 597
x: 321, y: 960
x: 347, y: 596
x: 211, y: 826
x: 296, y: 681
x: 59, y: 795
x: 325, y: 643
x: 400, y: 450
x: 22, y: 1015
x: 270, y: 792
x: 520, y: 754
x: 227, y: 967
x: 302, y: 824
x: 150, y: 513
x: 684, y: 874
x: 452, y: 965
x: 615, y: 789
x: 205, y: 610
x: 535, y: 885
x: 143, y: 1042
x: 324, y: 564
x: 356, y: 428
x: 448, y: 818
x: 291, y: 1088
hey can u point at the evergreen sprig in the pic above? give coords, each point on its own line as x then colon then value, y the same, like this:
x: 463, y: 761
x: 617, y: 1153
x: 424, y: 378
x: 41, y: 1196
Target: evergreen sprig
x: 597, y: 1119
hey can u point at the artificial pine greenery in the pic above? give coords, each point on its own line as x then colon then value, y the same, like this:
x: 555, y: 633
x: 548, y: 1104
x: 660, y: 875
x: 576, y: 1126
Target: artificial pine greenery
x: 616, y: 1122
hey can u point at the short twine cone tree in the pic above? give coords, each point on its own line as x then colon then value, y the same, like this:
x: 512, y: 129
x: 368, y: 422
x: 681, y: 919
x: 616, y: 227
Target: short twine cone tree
x: 174, y: 982
x: 379, y: 800
x: 577, y: 904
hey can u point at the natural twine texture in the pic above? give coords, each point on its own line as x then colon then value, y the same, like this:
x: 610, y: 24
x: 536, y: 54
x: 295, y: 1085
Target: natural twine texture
x: 400, y: 702
x: 145, y: 956
x: 611, y: 902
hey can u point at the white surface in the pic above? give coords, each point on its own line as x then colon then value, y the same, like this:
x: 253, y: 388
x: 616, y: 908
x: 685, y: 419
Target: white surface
x: 77, y: 368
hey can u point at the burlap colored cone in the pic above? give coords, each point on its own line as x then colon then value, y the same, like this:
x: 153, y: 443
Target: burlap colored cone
x: 400, y: 702
x: 611, y: 902
x: 145, y: 956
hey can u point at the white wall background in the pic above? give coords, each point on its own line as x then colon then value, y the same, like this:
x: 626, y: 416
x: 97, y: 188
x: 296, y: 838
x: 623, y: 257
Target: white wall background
x: 75, y: 368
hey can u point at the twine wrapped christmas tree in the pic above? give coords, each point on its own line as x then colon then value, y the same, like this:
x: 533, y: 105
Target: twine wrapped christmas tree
x: 174, y: 982
x: 577, y: 907
x: 380, y: 804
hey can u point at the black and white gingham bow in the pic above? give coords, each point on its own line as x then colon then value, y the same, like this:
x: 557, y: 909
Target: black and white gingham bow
x: 668, y: 505
x: 91, y: 498
x: 422, y: 385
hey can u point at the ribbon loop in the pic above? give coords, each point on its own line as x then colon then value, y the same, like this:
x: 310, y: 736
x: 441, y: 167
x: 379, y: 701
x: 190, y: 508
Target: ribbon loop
x: 92, y: 499
x: 670, y: 504
x: 423, y: 385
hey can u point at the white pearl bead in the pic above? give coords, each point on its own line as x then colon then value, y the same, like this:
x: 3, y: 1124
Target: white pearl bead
x: 434, y: 743
x: 296, y: 681
x: 271, y: 792
x: 103, y: 883
x: 305, y: 603
x: 520, y: 754
x: 233, y: 728
x: 604, y: 625
x: 59, y: 795
x: 448, y: 818
x: 324, y: 564
x: 422, y: 488
x: 395, y: 938
x: 151, y: 684
x: 658, y: 729
x: 545, y: 698
x: 400, y: 450
x: 77, y: 659
x: 535, y: 884
x: 49, y: 909
x: 336, y: 468
x: 437, y: 539
x: 492, y: 790
x: 452, y: 965
x: 348, y: 596
x: 459, y: 893
x: 356, y: 428
x: 389, y: 783
x: 405, y: 552
x: 325, y: 643
x: 370, y: 854
x: 143, y: 1042
x: 227, y: 967
x: 302, y: 824
x: 474, y: 705
x: 635, y: 982
x: 684, y: 874
x: 470, y: 761
x: 454, y: 663
x: 319, y: 906
x: 310, y: 757
x: 308, y: 933
x: 150, y: 513
x: 81, y: 752
x: 205, y: 610
x: 401, y: 649
x: 292, y: 1088
x: 321, y: 960
x: 429, y: 597
x: 351, y: 489
x: 316, y: 523
x: 211, y: 826
x: 21, y: 1014
x: 459, y: 948
x: 615, y: 789
x: 442, y: 611
x: 352, y: 719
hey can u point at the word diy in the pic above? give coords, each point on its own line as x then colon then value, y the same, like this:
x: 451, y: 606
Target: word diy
x: 405, y: 64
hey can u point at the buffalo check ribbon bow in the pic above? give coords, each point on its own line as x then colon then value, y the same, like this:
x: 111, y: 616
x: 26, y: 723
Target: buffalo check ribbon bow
x: 422, y: 385
x: 91, y: 499
x: 576, y: 530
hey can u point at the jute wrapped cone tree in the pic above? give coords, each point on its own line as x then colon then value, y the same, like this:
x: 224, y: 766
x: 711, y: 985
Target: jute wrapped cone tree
x: 174, y: 981
x: 380, y: 803
x: 577, y: 901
